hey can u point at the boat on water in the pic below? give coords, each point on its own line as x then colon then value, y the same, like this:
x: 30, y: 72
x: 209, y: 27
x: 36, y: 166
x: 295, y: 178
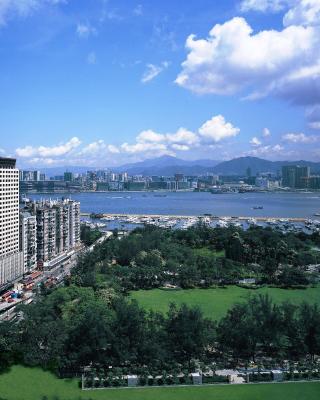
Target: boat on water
x: 257, y: 207
x: 160, y: 195
x: 317, y: 214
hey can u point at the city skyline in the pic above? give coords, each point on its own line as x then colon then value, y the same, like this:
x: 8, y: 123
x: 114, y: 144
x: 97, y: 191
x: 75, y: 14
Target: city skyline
x: 107, y: 83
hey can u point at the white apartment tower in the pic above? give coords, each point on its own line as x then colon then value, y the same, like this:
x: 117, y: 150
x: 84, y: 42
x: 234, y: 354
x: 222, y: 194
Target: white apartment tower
x: 11, y: 259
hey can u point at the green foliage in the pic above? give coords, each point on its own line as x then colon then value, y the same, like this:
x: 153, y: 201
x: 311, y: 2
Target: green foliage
x: 200, y: 256
x: 88, y: 236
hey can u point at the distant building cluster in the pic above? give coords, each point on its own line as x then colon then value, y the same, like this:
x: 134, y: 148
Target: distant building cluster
x: 299, y: 177
x: 293, y: 177
x: 37, y: 234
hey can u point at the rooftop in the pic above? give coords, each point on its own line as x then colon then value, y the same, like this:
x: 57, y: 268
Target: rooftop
x: 7, y: 162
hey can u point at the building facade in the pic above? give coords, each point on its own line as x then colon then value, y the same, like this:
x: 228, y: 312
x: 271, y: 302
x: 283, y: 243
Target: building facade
x: 57, y: 227
x: 28, y: 241
x: 294, y: 176
x: 11, y: 258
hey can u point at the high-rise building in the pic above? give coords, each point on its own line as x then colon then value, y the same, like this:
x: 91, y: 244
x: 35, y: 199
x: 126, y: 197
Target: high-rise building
x: 57, y: 227
x: 28, y: 240
x: 11, y: 259
x: 293, y: 176
x: 68, y: 176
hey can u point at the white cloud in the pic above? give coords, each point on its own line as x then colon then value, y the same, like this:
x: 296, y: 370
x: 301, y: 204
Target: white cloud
x: 148, y: 143
x: 180, y: 147
x: 22, y: 8
x: 183, y: 136
x: 159, y: 148
x: 92, y: 58
x: 314, y: 125
x: 266, y: 132
x: 300, y: 138
x: 85, y: 30
x: 113, y: 149
x: 99, y: 148
x: 263, y: 5
x: 234, y: 59
x: 46, y: 152
x: 217, y: 129
x: 268, y: 151
x: 149, y: 136
x: 94, y: 147
x: 153, y: 71
x: 304, y: 12
x: 255, y: 141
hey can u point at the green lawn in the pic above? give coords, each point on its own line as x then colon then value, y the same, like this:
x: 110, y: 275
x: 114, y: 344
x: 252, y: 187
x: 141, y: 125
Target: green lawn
x: 32, y: 384
x: 215, y: 302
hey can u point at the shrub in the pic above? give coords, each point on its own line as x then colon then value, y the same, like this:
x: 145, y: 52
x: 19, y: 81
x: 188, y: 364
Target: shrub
x: 182, y: 380
x: 142, y: 381
x: 160, y: 381
x: 169, y: 380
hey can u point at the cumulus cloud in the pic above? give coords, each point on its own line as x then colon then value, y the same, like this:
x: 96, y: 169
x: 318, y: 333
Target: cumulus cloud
x: 269, y: 151
x: 217, y: 129
x: 45, y: 152
x: 300, y: 138
x: 84, y: 30
x: 159, y: 148
x: 233, y: 59
x: 314, y: 125
x: 149, y: 136
x: 263, y: 5
x: 255, y: 141
x: 22, y: 8
x: 99, y: 147
x: 148, y: 143
x: 304, y: 12
x: 113, y: 149
x: 153, y: 71
x: 180, y: 147
x: 183, y: 136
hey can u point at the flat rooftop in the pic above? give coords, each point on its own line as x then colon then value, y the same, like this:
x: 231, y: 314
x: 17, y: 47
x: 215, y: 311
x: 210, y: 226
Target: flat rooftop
x: 6, y: 162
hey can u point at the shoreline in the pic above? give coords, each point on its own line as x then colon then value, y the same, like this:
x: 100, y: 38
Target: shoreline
x: 211, y: 217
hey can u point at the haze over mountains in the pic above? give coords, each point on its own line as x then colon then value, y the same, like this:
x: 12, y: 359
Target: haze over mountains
x: 168, y: 165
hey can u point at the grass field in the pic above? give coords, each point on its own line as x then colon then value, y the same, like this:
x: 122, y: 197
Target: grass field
x: 32, y: 384
x: 215, y: 302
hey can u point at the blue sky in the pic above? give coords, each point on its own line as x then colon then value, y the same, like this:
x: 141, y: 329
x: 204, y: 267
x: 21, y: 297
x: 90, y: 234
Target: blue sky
x: 104, y: 82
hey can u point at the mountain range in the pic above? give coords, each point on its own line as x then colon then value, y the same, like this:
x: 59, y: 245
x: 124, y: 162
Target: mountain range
x: 168, y: 166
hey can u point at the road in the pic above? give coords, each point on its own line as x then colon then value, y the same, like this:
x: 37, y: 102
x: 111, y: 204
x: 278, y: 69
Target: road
x: 8, y: 310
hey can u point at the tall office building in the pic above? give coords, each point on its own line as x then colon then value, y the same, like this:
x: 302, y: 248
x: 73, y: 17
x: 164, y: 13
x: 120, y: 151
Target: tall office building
x: 11, y: 259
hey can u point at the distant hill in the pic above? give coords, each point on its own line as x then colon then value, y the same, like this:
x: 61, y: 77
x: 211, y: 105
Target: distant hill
x: 168, y: 166
x: 238, y: 166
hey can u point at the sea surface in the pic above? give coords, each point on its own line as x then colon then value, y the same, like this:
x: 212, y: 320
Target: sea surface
x: 196, y: 203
